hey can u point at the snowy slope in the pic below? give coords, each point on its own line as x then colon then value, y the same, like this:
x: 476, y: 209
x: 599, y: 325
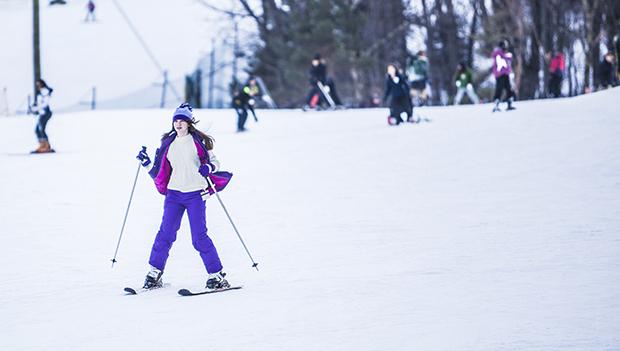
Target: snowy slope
x: 476, y: 231
x: 75, y: 56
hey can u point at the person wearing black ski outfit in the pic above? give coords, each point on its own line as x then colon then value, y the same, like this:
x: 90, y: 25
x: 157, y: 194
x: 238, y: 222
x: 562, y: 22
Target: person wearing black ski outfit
x: 318, y: 73
x: 241, y: 103
x: 397, y: 89
x: 607, y: 71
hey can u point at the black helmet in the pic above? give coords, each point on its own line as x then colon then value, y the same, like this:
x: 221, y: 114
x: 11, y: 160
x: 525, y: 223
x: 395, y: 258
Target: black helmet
x: 503, y: 44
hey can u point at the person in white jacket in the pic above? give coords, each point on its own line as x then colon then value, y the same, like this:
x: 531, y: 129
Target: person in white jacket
x: 42, y: 108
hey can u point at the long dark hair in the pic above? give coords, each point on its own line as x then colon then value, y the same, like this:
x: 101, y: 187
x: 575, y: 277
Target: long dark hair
x: 207, y: 140
x: 44, y: 84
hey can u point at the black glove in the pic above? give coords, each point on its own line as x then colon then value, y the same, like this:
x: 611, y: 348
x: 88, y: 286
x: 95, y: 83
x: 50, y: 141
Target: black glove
x: 143, y: 157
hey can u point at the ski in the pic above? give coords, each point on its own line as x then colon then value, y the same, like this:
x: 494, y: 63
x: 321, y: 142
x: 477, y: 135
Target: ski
x: 186, y: 292
x: 132, y: 291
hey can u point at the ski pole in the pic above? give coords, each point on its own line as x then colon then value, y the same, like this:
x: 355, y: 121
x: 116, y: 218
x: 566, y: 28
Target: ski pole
x: 127, y: 211
x: 253, y: 113
x: 254, y: 264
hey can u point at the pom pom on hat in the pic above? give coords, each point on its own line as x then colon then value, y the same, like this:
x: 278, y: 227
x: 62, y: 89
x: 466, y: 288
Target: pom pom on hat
x: 183, y: 112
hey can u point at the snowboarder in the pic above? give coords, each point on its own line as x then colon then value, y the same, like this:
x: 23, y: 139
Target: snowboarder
x: 397, y: 90
x: 42, y: 109
x: 502, y: 60
x: 556, y: 71
x: 180, y: 170
x: 417, y: 73
x: 464, y: 84
x: 607, y: 71
x: 90, y: 11
x: 318, y: 77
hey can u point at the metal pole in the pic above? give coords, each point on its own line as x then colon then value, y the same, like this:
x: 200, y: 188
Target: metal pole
x: 212, y: 186
x: 162, y: 103
x: 35, y: 44
x: 235, y: 53
x: 211, y: 74
x: 6, y: 101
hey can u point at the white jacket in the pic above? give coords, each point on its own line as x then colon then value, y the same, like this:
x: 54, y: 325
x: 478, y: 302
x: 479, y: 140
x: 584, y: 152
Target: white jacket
x: 42, y: 101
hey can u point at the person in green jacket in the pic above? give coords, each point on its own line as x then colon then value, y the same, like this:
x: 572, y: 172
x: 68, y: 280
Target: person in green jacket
x: 464, y: 84
x: 417, y: 74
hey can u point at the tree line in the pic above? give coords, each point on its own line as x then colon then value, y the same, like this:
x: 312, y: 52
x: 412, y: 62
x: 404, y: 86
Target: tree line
x: 359, y: 38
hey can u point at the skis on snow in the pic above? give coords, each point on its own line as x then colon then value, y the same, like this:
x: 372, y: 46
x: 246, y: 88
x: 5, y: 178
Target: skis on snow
x: 132, y: 291
x: 186, y: 292
x: 183, y: 292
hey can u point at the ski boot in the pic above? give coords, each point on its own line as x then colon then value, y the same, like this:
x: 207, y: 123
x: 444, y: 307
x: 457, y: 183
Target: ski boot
x: 38, y: 149
x: 216, y: 281
x: 496, y: 108
x: 510, y: 107
x: 412, y: 119
x: 153, y: 279
x: 44, y: 147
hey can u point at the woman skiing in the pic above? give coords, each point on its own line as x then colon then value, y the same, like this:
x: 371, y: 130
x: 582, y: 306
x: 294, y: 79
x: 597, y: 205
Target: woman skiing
x: 182, y: 168
x: 41, y: 108
x: 397, y: 89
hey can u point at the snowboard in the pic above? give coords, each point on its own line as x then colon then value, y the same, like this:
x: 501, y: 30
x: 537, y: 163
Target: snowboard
x: 42, y: 153
x: 186, y: 292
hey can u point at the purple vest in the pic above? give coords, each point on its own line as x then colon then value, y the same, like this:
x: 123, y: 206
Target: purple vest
x: 501, y: 62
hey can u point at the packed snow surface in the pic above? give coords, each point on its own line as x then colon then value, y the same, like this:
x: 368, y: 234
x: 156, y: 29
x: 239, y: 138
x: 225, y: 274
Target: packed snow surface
x: 475, y: 231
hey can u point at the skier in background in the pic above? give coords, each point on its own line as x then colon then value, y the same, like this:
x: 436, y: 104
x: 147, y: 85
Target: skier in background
x: 253, y: 91
x: 241, y: 104
x: 556, y: 71
x: 318, y: 74
x: 42, y: 109
x: 397, y: 90
x: 502, y: 60
x: 417, y: 73
x: 607, y: 71
x: 182, y: 164
x: 90, y: 11
x: 464, y: 84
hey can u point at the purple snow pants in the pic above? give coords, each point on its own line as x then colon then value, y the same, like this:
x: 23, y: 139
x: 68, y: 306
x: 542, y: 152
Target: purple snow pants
x: 174, y: 206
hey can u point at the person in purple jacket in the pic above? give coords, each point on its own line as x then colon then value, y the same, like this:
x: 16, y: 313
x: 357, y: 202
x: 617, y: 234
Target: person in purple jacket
x: 502, y: 59
x: 180, y: 170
